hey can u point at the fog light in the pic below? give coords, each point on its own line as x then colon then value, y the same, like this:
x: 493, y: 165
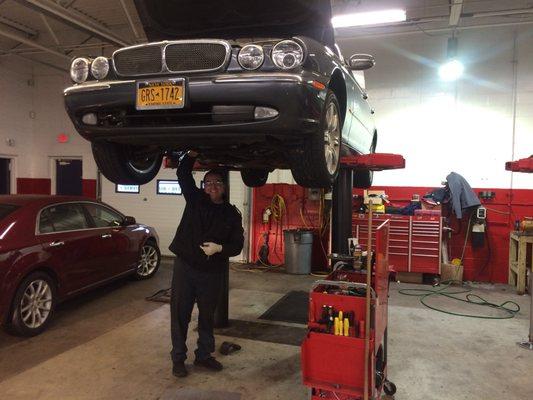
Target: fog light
x: 265, y: 112
x: 90, y: 119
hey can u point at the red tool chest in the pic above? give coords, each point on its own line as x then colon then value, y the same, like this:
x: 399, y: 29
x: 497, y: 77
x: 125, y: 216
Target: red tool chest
x: 333, y: 365
x: 414, y: 242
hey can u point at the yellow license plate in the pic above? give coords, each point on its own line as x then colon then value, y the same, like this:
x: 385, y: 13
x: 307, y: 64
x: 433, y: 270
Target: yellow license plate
x: 160, y: 94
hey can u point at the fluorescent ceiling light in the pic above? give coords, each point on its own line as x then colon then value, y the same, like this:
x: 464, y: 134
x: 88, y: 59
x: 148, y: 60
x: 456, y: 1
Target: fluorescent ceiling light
x: 451, y: 70
x: 369, y: 18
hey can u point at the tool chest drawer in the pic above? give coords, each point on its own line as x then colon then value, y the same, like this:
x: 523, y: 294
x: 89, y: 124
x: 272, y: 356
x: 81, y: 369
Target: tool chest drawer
x: 414, y: 241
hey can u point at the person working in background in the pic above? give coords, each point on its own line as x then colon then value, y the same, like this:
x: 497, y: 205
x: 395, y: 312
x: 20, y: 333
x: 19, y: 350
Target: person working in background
x: 209, y: 233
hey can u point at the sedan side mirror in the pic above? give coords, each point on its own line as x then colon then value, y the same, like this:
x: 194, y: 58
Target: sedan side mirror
x: 129, y: 221
x: 361, y: 62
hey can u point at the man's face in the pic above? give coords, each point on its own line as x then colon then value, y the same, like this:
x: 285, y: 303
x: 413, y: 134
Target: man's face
x: 214, y: 187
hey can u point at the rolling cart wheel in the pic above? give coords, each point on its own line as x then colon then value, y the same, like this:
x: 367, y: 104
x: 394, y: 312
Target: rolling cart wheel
x: 389, y: 388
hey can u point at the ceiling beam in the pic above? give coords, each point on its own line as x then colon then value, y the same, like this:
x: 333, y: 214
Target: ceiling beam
x: 32, y: 43
x: 50, y: 30
x: 18, y: 26
x: 42, y: 63
x: 130, y: 20
x: 75, y: 20
x: 455, y: 12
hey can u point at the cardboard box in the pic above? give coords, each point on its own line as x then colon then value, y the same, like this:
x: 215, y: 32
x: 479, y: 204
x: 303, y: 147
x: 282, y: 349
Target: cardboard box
x: 375, y: 195
x: 449, y: 272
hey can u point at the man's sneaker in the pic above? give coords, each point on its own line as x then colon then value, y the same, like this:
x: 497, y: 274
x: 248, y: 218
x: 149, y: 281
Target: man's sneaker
x: 209, y: 363
x: 179, y: 370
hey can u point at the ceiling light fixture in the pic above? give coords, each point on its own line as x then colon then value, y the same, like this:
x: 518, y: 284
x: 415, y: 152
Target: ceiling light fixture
x: 369, y: 18
x: 452, y: 69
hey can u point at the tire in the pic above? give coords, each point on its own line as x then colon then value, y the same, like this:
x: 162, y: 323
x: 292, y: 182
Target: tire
x: 149, y: 261
x: 309, y: 164
x: 363, y: 179
x: 127, y: 164
x: 254, y: 177
x: 33, y: 321
x: 389, y: 388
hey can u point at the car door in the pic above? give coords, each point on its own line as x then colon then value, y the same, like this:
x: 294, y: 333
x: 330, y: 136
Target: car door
x: 362, y: 126
x: 68, y: 244
x: 122, y: 253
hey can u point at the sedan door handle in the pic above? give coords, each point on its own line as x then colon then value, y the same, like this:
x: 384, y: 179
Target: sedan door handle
x: 56, y: 244
x: 106, y: 235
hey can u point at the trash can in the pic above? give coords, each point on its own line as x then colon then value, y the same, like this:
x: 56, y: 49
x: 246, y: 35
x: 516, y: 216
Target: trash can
x: 298, y: 251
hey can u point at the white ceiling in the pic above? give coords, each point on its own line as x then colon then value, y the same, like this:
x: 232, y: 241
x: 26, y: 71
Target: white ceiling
x: 52, y: 32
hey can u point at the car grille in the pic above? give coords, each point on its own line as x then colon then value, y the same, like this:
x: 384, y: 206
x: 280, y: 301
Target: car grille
x: 143, y: 60
x: 195, y: 56
x: 186, y: 56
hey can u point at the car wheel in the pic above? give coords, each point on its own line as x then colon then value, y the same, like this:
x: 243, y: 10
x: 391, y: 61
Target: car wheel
x: 316, y: 163
x: 127, y: 164
x: 363, y: 179
x: 254, y: 177
x: 33, y: 305
x: 149, y: 261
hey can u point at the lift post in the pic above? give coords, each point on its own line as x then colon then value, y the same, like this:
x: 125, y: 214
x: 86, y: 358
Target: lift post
x: 342, y: 193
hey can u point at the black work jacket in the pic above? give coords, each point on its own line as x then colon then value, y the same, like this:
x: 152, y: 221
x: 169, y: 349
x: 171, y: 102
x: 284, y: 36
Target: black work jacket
x: 204, y: 221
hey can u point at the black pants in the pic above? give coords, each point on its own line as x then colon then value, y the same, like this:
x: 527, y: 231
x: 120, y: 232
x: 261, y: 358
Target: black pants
x: 189, y: 286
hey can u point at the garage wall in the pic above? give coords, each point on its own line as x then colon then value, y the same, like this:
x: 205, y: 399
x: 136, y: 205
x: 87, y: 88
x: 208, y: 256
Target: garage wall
x: 466, y: 126
x: 32, y: 114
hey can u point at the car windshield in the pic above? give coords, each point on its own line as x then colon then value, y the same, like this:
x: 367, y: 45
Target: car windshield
x: 6, y: 209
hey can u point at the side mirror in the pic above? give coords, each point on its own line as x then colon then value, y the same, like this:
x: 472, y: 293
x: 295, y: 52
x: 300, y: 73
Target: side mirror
x: 361, y: 62
x: 129, y: 221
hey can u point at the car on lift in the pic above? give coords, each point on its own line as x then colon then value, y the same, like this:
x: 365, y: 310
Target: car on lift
x: 272, y: 90
x: 55, y: 247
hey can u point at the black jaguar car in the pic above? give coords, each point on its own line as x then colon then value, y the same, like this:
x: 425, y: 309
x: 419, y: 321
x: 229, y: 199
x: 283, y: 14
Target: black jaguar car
x: 248, y: 85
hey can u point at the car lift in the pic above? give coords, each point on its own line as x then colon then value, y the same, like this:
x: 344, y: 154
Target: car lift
x: 350, y: 362
x: 525, y: 165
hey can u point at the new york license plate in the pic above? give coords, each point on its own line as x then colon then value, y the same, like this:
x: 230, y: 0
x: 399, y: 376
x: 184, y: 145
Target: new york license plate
x: 160, y: 94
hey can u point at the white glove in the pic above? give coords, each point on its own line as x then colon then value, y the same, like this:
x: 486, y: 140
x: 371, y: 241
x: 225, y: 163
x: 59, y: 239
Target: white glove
x: 210, y: 248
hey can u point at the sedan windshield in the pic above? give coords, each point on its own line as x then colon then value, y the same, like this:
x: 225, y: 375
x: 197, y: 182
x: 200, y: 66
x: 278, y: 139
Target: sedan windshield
x: 6, y: 209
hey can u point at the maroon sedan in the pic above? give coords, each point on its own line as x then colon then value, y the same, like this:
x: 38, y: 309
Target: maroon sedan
x: 54, y: 247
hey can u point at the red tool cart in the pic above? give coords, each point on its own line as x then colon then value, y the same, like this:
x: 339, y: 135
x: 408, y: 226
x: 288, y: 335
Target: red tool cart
x: 333, y: 363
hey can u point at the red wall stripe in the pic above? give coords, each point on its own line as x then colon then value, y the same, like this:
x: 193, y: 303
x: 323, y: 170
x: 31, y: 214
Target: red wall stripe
x: 33, y: 186
x: 89, y: 188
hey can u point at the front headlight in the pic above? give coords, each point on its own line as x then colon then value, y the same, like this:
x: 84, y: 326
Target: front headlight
x: 100, y: 67
x: 287, y: 54
x: 79, y: 70
x: 251, y: 56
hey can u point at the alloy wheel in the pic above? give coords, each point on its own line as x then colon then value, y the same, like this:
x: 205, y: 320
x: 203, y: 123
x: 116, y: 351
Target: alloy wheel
x: 332, y: 134
x: 148, y: 262
x: 36, y: 304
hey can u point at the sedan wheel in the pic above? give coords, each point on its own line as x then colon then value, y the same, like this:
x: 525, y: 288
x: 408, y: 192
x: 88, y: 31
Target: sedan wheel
x: 149, y: 262
x: 36, y: 304
x: 315, y: 163
x: 33, y: 305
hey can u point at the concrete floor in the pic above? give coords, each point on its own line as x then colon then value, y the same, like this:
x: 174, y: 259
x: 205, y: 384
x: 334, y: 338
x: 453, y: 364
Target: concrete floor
x: 113, y: 344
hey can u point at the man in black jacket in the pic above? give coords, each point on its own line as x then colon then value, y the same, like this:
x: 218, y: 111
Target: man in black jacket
x: 209, y: 233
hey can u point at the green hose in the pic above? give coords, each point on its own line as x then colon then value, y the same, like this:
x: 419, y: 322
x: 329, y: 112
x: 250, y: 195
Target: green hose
x: 424, y: 294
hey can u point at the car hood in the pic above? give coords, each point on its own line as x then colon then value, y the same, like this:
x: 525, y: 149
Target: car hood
x: 233, y: 19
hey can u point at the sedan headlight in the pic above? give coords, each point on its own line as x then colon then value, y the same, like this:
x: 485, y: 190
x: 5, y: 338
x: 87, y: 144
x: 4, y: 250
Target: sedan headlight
x: 287, y: 54
x: 79, y: 70
x: 100, y: 67
x: 251, y: 57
